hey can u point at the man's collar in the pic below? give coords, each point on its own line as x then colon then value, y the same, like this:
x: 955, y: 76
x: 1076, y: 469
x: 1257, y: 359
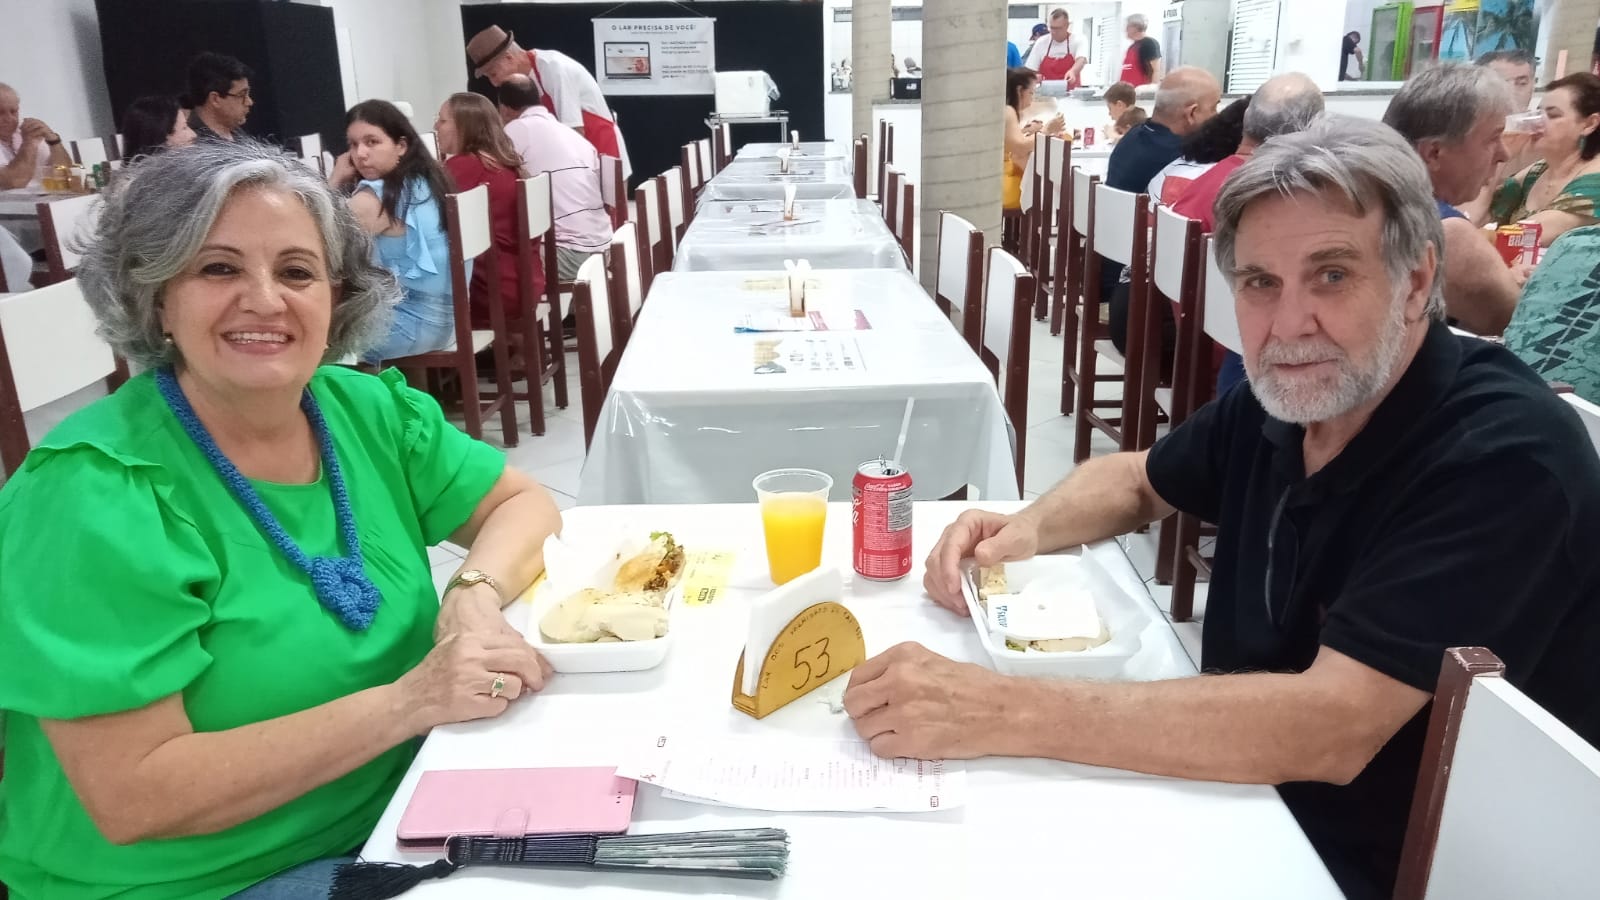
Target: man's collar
x: 1425, y: 383
x: 535, y: 110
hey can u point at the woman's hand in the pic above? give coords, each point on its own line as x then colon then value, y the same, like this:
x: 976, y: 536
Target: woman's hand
x: 344, y: 171
x: 471, y: 609
x: 456, y: 681
x: 1032, y: 128
x: 1055, y: 125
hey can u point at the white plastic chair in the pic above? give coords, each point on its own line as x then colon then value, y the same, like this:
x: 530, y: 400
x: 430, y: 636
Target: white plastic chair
x: 959, y: 279
x: 50, y: 348
x: 311, y: 151
x: 90, y: 151
x: 591, y: 308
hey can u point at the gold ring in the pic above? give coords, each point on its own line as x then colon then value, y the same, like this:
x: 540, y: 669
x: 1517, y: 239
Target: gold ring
x: 498, y: 686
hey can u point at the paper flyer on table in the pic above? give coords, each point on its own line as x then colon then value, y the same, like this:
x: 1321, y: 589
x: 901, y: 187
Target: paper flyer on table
x: 805, y: 353
x: 813, y: 320
x: 794, y: 775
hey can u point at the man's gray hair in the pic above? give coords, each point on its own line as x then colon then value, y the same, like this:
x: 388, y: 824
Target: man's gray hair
x: 1059, y: 12
x: 158, y: 214
x: 1447, y: 101
x: 1355, y: 161
x: 1139, y: 21
x: 1285, y: 104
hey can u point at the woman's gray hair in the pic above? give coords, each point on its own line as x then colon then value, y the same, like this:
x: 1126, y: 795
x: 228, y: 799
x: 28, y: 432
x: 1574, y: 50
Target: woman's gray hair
x: 1139, y: 21
x: 1362, y: 162
x: 1447, y: 101
x: 158, y: 214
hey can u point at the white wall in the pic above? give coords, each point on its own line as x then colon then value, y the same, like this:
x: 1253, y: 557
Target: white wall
x: 1308, y: 40
x: 50, y: 52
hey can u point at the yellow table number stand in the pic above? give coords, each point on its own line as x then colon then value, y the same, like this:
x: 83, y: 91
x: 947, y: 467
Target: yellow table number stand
x: 821, y: 641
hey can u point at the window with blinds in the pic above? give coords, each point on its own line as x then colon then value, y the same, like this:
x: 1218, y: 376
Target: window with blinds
x: 1255, y: 44
x: 1106, y: 58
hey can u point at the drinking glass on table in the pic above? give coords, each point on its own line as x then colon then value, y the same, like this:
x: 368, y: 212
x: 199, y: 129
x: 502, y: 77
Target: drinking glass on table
x: 794, y: 508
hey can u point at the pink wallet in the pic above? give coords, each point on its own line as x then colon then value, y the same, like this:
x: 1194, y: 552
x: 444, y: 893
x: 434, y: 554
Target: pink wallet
x: 513, y: 803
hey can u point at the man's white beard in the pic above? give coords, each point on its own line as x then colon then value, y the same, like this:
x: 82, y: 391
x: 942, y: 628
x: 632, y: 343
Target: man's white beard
x: 1307, y: 398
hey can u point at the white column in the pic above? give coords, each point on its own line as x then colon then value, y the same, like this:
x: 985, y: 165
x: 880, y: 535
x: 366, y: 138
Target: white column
x: 869, y: 46
x: 963, y: 131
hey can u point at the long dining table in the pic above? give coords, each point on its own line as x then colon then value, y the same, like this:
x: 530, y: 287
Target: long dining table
x: 829, y: 234
x: 708, y: 394
x: 761, y: 178
x: 1029, y: 827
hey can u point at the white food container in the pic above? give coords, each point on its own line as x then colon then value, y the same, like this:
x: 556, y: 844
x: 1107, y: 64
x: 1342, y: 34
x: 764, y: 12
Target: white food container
x: 569, y: 570
x: 1125, y: 616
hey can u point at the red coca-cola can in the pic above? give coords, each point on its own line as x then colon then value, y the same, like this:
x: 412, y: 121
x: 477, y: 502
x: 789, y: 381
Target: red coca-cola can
x: 880, y: 519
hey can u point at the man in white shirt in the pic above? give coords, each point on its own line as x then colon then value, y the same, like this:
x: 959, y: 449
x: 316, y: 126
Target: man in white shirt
x: 583, y: 227
x: 28, y: 147
x: 567, y: 89
x: 1061, y: 57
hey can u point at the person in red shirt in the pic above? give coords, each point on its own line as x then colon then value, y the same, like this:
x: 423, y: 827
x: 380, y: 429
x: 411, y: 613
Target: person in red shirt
x: 477, y: 151
x: 1142, y: 64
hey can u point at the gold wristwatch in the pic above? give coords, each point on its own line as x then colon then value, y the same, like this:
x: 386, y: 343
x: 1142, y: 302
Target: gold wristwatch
x: 471, y: 577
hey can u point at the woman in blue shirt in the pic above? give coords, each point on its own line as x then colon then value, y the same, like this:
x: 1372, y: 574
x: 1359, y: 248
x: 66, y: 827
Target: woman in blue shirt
x: 398, y: 195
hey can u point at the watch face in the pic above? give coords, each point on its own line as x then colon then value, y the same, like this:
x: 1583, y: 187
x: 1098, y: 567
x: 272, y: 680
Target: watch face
x: 472, y: 576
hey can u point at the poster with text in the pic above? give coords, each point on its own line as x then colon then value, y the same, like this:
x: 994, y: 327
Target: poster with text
x: 655, y: 56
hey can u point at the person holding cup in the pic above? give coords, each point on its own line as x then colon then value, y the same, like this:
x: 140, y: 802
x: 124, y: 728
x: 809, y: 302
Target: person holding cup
x: 1562, y: 190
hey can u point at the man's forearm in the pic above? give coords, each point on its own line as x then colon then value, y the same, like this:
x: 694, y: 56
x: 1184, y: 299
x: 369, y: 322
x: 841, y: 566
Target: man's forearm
x: 1104, y: 497
x: 1258, y: 728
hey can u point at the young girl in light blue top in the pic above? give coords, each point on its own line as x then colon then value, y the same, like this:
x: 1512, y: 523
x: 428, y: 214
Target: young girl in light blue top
x: 399, y: 190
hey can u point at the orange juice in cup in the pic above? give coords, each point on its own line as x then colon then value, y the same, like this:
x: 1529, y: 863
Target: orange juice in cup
x: 794, y: 509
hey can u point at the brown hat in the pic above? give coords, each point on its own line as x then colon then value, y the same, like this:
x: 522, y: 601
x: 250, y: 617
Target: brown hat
x: 486, y: 45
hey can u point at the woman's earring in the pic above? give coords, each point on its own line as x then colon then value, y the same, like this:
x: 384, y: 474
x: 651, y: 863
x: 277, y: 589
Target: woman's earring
x: 167, y: 336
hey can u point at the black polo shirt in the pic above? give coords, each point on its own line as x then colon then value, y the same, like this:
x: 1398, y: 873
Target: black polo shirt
x: 1465, y: 513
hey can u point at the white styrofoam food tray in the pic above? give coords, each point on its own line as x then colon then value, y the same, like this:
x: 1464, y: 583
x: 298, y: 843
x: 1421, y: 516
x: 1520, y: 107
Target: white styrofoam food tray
x: 569, y: 569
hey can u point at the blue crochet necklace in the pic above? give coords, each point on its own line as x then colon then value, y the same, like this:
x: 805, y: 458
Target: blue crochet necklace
x: 341, y: 583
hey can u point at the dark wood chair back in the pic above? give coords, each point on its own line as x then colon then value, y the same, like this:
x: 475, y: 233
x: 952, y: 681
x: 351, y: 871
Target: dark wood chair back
x: 538, y: 322
x: 655, y: 254
x: 859, y: 161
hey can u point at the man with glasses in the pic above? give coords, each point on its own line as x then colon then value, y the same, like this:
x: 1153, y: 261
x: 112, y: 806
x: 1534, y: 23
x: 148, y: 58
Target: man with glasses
x: 1383, y: 491
x: 219, y: 94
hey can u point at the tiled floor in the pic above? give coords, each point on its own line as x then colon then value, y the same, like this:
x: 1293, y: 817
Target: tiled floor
x: 556, y: 459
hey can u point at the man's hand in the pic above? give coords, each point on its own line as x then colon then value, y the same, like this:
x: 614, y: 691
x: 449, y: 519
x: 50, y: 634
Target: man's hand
x: 912, y: 702
x: 34, y: 130
x: 988, y: 537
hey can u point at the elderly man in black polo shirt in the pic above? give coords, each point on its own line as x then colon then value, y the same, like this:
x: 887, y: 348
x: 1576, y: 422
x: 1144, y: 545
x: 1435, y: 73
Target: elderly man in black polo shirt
x: 1385, y: 490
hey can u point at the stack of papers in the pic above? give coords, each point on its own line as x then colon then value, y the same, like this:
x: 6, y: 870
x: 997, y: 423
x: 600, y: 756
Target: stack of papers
x: 790, y: 774
x: 813, y: 320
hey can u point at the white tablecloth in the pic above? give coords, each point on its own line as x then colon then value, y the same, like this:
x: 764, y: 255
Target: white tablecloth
x: 808, y: 150
x: 1031, y: 828
x: 759, y: 179
x: 690, y: 419
x: 831, y: 234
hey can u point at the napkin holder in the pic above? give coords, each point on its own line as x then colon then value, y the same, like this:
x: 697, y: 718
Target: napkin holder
x: 798, y: 275
x: 820, y: 644
x: 794, y: 140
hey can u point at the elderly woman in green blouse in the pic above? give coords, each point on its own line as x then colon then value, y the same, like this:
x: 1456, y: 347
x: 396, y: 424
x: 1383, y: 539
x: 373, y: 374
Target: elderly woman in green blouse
x: 219, y: 626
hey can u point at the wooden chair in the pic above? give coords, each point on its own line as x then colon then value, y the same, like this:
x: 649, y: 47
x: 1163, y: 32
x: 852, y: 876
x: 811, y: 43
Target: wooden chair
x: 538, y: 322
x: 1216, y: 321
x: 1120, y: 235
x: 62, y: 224
x: 1174, y: 279
x: 1507, y: 801
x: 1082, y: 223
x: 467, y: 222
x: 1175, y: 255
x: 1051, y: 170
x: 328, y: 161
x: 722, y: 145
x: 89, y: 151
x: 959, y: 279
x: 118, y: 138
x: 614, y: 189
x: 890, y: 196
x: 311, y: 152
x: 1033, y: 210
x: 673, y: 222
x: 1007, y: 298
x: 48, y: 349
x: 885, y: 157
x: 597, y: 356
x: 1063, y: 269
x: 859, y: 168
x: 626, y: 292
x: 655, y: 254
x: 708, y: 167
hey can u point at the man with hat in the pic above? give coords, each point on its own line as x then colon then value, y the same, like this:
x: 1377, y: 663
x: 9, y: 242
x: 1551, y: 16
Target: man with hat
x: 566, y: 87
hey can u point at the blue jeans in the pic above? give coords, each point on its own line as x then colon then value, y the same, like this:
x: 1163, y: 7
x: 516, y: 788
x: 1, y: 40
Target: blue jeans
x: 308, y: 881
x: 419, y: 327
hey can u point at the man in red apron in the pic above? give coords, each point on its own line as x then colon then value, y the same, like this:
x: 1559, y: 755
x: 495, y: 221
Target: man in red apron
x: 1061, y: 57
x: 1142, y: 64
x: 566, y: 87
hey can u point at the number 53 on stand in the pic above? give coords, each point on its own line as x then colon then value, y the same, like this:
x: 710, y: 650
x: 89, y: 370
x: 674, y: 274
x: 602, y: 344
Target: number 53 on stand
x: 821, y: 641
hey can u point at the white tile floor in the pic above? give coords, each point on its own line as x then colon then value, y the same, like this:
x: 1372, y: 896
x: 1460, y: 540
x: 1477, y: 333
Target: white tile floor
x: 556, y: 459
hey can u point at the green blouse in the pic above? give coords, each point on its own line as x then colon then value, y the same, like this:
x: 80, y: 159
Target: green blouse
x: 130, y: 573
x: 1581, y: 197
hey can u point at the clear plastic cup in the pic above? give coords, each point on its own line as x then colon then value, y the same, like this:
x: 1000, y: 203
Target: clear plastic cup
x: 1531, y: 122
x: 794, y: 509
